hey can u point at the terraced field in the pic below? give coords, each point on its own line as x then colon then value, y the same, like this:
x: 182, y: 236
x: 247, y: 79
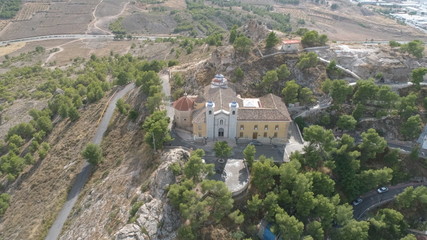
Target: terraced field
x: 30, y: 9
x: 50, y: 17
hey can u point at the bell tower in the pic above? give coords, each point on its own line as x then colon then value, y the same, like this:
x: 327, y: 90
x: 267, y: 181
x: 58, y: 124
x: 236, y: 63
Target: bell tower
x: 210, y: 119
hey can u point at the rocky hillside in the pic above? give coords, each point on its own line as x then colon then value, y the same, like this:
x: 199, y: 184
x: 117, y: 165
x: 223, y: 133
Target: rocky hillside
x: 38, y: 194
x: 369, y: 60
x: 156, y: 218
x: 105, y: 202
x: 224, y: 60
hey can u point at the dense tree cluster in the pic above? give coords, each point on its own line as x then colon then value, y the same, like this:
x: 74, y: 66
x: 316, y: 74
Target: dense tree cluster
x: 380, y: 100
x: 4, y: 203
x: 413, y: 202
x: 156, y: 129
x: 288, y: 199
x: 293, y: 92
x: 242, y: 44
x: 200, y: 201
x: 307, y: 60
x: 11, y: 160
x: 151, y: 85
x: 9, y: 8
x: 313, y: 39
x: 415, y: 47
x: 418, y: 74
x: 116, y: 27
x: 215, y: 39
x: 84, y: 82
x: 302, y: 199
x: 272, y: 80
x: 271, y: 40
x: 222, y: 150
x: 344, y: 157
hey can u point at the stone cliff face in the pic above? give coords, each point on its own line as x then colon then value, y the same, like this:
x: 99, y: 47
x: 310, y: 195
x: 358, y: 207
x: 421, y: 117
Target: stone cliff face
x: 255, y: 31
x: 156, y: 218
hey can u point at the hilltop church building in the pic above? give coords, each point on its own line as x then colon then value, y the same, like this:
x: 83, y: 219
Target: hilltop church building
x: 220, y: 113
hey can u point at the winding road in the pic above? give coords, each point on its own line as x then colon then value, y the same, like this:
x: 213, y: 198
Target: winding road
x: 82, y: 177
x: 373, y: 199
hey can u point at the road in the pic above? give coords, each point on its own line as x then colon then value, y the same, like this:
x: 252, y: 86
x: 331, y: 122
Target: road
x: 82, y: 177
x: 77, y: 36
x: 373, y: 199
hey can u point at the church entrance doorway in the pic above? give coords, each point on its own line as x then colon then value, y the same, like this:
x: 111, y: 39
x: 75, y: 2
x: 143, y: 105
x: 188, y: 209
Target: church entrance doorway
x: 221, y: 132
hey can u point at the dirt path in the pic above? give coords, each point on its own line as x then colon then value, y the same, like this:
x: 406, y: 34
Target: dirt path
x: 60, y: 50
x: 94, y: 23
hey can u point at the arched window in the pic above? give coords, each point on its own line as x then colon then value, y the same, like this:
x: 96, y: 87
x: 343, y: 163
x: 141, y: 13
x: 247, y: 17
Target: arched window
x: 221, y: 122
x: 210, y: 112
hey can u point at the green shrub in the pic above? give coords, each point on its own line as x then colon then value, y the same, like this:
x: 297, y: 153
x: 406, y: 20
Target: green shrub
x: 92, y: 153
x: 134, y: 210
x: 133, y: 115
x: 29, y: 159
x: 176, y: 169
x: 4, y: 203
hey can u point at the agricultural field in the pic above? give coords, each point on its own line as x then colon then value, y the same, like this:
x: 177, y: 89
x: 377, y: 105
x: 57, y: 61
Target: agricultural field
x: 56, y: 18
x: 30, y: 9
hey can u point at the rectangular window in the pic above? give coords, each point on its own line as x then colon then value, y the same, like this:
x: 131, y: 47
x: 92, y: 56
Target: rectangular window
x: 234, y: 112
x: 242, y: 127
x: 265, y: 134
x: 241, y: 134
x: 200, y: 135
x: 275, y: 134
x: 266, y: 127
x: 256, y: 127
x: 199, y: 127
x: 276, y: 127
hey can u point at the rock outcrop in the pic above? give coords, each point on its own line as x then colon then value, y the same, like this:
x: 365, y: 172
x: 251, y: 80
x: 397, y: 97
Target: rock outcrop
x: 130, y: 231
x: 156, y: 218
x: 255, y: 31
x: 222, y: 58
x: 385, y: 125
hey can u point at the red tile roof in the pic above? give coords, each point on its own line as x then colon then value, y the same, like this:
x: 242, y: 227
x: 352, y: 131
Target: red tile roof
x: 291, y: 41
x: 183, y: 104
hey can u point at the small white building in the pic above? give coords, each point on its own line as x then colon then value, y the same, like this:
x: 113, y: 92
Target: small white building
x: 291, y: 46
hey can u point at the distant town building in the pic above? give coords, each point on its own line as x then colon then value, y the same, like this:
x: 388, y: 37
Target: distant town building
x: 291, y: 45
x: 221, y: 113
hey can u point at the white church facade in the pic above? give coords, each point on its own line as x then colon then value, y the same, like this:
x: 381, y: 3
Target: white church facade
x: 220, y: 113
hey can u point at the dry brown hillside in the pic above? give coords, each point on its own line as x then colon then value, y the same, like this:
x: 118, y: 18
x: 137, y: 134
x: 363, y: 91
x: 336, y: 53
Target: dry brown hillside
x: 39, y: 194
x: 348, y: 22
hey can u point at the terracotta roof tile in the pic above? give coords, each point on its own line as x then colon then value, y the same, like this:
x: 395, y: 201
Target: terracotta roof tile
x: 272, y: 108
x: 183, y: 104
